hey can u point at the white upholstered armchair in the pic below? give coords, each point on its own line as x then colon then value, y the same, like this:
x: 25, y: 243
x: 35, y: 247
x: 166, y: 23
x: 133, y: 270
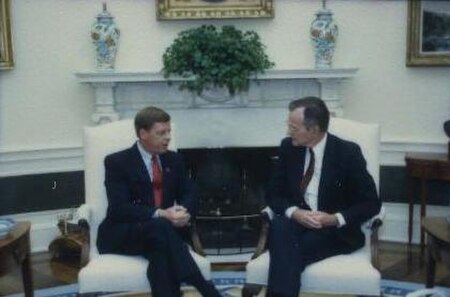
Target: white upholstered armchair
x: 343, y: 274
x: 108, y: 272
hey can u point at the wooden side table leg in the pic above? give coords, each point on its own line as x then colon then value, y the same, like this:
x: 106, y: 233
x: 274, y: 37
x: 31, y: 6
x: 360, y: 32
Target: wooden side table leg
x: 410, y: 217
x: 27, y: 277
x: 431, y: 264
x: 27, y: 273
x: 423, y: 195
x: 411, y: 209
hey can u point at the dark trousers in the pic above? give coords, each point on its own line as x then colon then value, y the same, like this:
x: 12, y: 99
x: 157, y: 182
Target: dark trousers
x: 170, y: 262
x: 292, y: 247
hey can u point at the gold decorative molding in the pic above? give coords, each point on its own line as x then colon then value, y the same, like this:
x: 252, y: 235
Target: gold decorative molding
x: 213, y: 9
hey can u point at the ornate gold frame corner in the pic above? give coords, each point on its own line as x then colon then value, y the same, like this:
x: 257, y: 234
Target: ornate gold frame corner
x: 6, y: 49
x: 414, y: 55
x: 225, y: 9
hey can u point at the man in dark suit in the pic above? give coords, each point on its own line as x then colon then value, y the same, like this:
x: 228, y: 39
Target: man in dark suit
x: 150, y: 205
x: 320, y: 192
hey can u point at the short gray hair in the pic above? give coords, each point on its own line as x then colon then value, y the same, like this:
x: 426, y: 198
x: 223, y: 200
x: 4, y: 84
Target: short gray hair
x: 315, y: 113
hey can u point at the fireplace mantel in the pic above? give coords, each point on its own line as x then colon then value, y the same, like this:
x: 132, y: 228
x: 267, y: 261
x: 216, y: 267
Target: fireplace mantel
x: 121, y: 94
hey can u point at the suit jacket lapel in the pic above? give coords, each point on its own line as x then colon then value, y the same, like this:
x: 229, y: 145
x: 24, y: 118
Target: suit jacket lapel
x: 165, y: 168
x: 329, y: 170
x: 297, y: 164
x: 138, y: 163
x: 141, y: 174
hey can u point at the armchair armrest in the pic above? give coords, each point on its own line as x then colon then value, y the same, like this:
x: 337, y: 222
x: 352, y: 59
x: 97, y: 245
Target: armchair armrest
x: 266, y: 216
x: 375, y: 222
x: 84, y: 212
x: 374, y: 225
x: 196, y: 244
x: 84, y: 217
x: 268, y: 212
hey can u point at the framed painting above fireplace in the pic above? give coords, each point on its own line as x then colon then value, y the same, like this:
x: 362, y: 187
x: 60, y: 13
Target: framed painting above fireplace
x: 428, y: 33
x: 213, y: 9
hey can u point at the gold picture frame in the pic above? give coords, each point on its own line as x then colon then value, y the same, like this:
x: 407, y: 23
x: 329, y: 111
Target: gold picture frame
x: 6, y: 50
x: 428, y: 42
x: 213, y: 9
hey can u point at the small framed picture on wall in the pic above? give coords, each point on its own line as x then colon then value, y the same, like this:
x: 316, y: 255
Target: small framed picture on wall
x: 428, y: 33
x: 6, y: 49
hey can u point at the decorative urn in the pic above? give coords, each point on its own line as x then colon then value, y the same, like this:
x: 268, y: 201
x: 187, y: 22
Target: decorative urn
x: 324, y: 33
x: 105, y: 36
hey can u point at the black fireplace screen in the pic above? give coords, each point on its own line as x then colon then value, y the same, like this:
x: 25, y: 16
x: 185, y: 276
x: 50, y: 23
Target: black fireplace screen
x: 231, y: 185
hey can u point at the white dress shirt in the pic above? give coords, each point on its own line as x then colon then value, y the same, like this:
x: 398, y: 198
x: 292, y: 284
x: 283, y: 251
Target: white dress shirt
x: 312, y: 190
x: 147, y: 158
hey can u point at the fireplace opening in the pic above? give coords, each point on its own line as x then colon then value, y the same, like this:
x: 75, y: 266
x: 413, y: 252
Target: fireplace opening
x: 231, y: 186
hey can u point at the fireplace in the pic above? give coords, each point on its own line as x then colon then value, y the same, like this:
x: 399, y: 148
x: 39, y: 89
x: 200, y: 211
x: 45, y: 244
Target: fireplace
x: 222, y: 142
x: 231, y: 186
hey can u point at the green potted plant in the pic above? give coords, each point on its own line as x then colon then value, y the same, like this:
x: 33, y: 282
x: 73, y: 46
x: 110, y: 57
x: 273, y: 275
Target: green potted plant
x: 212, y: 58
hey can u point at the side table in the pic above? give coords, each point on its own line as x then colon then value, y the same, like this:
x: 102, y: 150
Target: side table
x: 424, y: 167
x: 438, y: 243
x: 15, y: 250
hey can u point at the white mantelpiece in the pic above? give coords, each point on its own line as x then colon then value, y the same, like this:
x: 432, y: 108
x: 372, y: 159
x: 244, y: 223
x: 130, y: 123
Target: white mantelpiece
x: 121, y: 94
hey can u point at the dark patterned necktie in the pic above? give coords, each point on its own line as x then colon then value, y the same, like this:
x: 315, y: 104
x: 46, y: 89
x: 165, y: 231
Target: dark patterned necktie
x: 157, y: 182
x: 309, y: 172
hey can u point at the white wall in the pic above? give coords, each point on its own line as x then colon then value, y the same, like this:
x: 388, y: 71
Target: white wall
x: 42, y: 106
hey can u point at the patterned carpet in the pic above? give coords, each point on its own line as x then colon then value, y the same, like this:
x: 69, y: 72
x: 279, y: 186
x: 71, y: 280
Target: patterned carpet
x: 230, y: 284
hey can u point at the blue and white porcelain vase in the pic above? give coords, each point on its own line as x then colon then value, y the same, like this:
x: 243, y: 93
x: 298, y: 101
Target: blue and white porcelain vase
x: 105, y: 36
x: 324, y: 33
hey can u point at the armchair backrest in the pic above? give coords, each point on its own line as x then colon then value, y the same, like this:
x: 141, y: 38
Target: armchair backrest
x: 100, y: 141
x: 367, y: 136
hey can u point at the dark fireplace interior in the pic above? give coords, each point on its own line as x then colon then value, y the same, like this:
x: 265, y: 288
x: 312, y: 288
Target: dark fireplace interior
x: 231, y: 185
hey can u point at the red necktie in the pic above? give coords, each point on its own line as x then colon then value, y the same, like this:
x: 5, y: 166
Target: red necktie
x: 157, y: 182
x: 309, y: 172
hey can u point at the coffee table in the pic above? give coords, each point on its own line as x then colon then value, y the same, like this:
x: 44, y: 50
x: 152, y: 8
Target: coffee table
x: 438, y: 244
x: 14, y: 251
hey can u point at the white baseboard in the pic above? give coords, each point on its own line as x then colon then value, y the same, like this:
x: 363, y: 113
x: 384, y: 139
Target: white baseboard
x: 395, y: 224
